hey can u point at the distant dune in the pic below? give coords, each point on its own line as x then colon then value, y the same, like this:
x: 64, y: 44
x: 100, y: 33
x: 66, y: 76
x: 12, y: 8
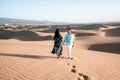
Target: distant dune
x: 84, y: 34
x: 99, y: 43
x: 113, y: 32
x: 22, y: 35
x: 23, y: 21
x: 108, y: 47
x: 88, y: 27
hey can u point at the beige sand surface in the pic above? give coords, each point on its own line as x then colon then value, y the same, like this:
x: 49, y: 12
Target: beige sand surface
x: 22, y: 60
x: 26, y: 56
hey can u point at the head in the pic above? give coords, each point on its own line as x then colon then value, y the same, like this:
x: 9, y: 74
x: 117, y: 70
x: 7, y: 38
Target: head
x: 69, y: 30
x: 57, y: 33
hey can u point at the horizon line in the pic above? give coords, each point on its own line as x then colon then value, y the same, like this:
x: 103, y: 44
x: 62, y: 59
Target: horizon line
x: 63, y: 21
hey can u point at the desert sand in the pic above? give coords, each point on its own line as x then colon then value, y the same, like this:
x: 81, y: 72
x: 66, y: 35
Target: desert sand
x: 25, y: 55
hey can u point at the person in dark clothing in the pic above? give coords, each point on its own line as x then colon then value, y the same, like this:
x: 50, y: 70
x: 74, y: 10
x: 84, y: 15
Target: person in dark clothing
x: 57, y: 48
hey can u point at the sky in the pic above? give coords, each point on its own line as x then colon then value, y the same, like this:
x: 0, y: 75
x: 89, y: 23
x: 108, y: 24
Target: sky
x: 78, y: 11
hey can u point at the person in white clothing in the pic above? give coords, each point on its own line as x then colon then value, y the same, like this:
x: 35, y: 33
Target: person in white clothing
x: 69, y: 40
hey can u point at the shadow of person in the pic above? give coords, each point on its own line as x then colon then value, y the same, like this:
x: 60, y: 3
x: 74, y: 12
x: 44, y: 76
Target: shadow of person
x: 27, y: 56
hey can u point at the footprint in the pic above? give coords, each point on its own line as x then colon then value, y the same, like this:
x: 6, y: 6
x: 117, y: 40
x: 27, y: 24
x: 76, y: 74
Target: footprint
x: 80, y: 74
x: 71, y: 58
x: 73, y: 66
x: 86, y: 77
x: 73, y: 70
x: 62, y: 57
x: 83, y: 77
x: 78, y: 79
x: 68, y: 63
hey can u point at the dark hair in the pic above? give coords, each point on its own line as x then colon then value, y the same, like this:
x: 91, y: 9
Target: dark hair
x: 69, y: 28
x: 57, y: 34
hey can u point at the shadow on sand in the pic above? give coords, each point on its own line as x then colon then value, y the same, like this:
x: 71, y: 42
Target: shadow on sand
x: 23, y: 35
x: 110, y: 47
x: 27, y: 56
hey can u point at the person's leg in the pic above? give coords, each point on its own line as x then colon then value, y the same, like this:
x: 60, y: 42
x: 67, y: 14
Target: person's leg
x: 69, y: 51
x: 61, y: 50
x: 53, y: 50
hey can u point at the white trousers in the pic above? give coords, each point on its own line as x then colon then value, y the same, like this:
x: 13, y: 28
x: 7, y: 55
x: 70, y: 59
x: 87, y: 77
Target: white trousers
x: 69, y: 48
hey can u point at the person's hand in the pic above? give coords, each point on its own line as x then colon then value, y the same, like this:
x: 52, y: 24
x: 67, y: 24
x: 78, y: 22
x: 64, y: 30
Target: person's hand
x: 63, y: 43
x: 73, y: 44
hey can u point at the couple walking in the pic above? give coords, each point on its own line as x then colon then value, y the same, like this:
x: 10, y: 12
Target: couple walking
x: 69, y: 39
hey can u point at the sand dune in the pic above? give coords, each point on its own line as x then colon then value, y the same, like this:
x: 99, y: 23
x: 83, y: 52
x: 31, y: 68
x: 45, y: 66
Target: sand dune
x: 99, y: 43
x: 89, y: 27
x: 84, y: 34
x: 115, y: 32
x: 109, y: 47
x: 23, y: 35
x: 25, y: 54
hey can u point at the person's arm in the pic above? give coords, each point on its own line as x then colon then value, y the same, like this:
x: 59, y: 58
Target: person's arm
x: 73, y: 44
x: 64, y: 39
x: 73, y: 40
x: 63, y: 42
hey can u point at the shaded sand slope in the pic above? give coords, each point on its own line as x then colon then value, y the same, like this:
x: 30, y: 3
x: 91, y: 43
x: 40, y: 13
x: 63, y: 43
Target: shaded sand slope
x: 23, y: 35
x: 99, y: 43
x: 115, y: 32
x: 105, y: 40
x: 20, y: 60
x: 108, y: 47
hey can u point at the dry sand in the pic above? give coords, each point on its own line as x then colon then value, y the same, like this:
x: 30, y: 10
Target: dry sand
x: 32, y: 60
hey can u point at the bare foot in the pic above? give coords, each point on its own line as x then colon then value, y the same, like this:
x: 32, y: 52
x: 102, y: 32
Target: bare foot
x: 58, y: 57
